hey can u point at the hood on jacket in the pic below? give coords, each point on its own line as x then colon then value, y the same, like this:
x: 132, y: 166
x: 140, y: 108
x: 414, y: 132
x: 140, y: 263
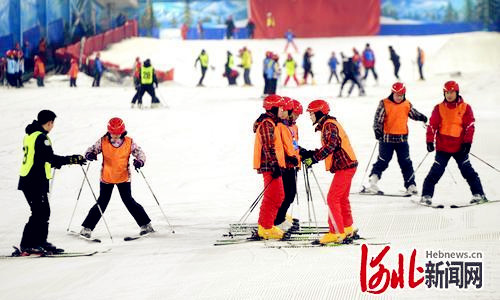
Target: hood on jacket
x: 33, y: 127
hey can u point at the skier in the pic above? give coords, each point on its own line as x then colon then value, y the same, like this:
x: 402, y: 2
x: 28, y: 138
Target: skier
x: 289, y: 36
x: 116, y: 148
x: 332, y: 63
x: 39, y: 71
x: 451, y: 126
x: 73, y: 73
x: 291, y: 68
x: 268, y: 160
x: 395, y: 61
x: 271, y: 74
x: 368, y: 59
x: 265, y: 66
x: 34, y: 178
x: 340, y: 159
x: 137, y: 80
x: 228, y: 69
x: 287, y: 131
x: 420, y: 62
x: 246, y: 64
x: 98, y: 69
x: 391, y: 130
x: 148, y: 77
x: 203, y: 59
x: 350, y: 73
x: 307, y: 65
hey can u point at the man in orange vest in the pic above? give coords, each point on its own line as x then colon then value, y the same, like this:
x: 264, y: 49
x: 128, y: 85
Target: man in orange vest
x: 340, y: 159
x: 268, y: 160
x: 286, y: 131
x: 391, y: 130
x: 452, y: 127
x: 116, y: 148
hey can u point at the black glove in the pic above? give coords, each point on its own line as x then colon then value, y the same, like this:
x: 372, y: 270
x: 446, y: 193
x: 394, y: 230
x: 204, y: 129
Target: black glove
x: 465, y: 148
x: 430, y: 146
x: 276, y: 171
x: 306, y: 154
x: 378, y: 134
x: 138, y: 164
x: 293, y: 160
x: 76, y: 159
x: 424, y: 119
x: 90, y: 156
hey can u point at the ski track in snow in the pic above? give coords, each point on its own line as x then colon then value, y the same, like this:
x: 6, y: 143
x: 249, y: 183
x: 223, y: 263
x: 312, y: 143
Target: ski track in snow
x: 199, y: 154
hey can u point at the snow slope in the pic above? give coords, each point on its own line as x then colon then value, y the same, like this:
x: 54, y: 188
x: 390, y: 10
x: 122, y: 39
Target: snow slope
x: 199, y: 165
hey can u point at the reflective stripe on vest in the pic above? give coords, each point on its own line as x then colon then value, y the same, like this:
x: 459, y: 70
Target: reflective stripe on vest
x: 396, y: 117
x: 147, y: 75
x: 29, y: 155
x: 451, y: 119
x: 204, y: 60
x: 345, y: 144
x: 115, y: 161
x: 257, y: 149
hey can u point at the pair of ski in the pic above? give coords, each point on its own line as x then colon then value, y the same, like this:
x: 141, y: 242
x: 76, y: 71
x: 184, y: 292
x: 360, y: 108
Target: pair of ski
x: 94, y: 240
x: 18, y: 254
x: 453, y: 205
x: 368, y: 192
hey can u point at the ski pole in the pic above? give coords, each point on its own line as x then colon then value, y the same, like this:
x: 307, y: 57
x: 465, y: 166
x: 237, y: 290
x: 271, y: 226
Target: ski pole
x: 368, y: 165
x: 330, y: 214
x: 485, y: 162
x: 77, y: 198
x: 312, y: 203
x: 97, y: 203
x: 413, y: 175
x: 154, y: 196
x: 308, y: 193
x: 253, y: 205
x: 52, y: 183
x: 162, y: 102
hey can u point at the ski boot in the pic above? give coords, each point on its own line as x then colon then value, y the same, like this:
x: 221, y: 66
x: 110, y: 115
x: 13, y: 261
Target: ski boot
x: 412, y: 190
x: 27, y: 251
x: 273, y: 233
x: 478, y: 199
x: 328, y: 238
x: 426, y: 200
x: 86, y: 232
x: 146, y: 229
x: 351, y: 232
x: 52, y: 249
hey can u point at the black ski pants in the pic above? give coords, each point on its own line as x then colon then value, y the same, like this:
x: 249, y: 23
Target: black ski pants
x: 464, y: 166
x: 203, y: 71
x: 36, y: 230
x: 134, y: 208
x: 290, y: 188
x: 151, y: 91
x: 385, y: 152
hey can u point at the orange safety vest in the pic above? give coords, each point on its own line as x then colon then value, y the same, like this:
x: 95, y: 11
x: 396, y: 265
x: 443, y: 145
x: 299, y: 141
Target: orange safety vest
x: 451, y: 119
x: 287, y: 136
x: 396, y: 117
x: 345, y: 144
x: 115, y: 161
x: 278, y: 147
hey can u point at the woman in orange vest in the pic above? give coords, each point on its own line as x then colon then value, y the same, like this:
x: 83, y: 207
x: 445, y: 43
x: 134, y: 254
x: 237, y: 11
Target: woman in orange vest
x: 73, y: 73
x: 340, y: 159
x: 391, y: 130
x: 268, y: 160
x: 116, y: 148
x: 286, y: 131
x: 39, y: 71
x: 452, y: 127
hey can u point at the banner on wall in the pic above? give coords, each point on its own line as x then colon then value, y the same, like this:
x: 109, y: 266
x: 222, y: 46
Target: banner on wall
x: 315, y: 18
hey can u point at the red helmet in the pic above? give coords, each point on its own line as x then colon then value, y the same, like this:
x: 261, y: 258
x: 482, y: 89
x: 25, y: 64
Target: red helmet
x: 451, y: 86
x: 399, y: 88
x: 297, y: 107
x: 319, y: 105
x: 287, y: 103
x: 116, y: 126
x: 273, y: 101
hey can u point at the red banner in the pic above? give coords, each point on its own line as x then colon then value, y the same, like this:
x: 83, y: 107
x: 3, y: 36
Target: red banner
x: 316, y: 18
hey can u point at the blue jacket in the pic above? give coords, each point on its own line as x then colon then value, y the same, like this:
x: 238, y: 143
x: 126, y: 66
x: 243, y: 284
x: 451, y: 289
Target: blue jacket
x: 98, y: 65
x: 289, y: 36
x: 333, y: 63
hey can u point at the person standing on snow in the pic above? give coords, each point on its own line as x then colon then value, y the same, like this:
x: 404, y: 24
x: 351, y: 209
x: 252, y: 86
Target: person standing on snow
x: 229, y: 72
x: 203, y: 59
x: 332, y: 63
x: 350, y: 73
x: 451, y: 126
x: 395, y: 61
x: 98, y: 69
x: 265, y: 65
x: 137, y: 80
x: 286, y: 130
x: 73, y: 73
x: 268, y: 159
x: 148, y: 77
x: 246, y: 64
x: 391, y: 130
x: 34, y: 178
x: 39, y: 71
x: 340, y: 159
x: 116, y: 148
x: 307, y: 65
x: 289, y: 36
x: 368, y: 59
x: 420, y: 62
x: 291, y: 68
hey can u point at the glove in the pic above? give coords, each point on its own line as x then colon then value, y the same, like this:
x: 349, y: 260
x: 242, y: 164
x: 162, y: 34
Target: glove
x: 77, y: 159
x: 276, y: 171
x: 293, y: 160
x: 90, y: 156
x: 304, y: 154
x: 310, y: 161
x: 138, y: 164
x: 424, y: 119
x: 430, y: 146
x: 378, y: 134
x: 465, y: 148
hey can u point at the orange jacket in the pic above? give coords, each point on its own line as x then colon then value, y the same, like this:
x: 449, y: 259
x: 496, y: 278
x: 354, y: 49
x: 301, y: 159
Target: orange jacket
x: 396, y: 117
x: 286, y: 135
x: 39, y: 70
x: 451, y: 119
x: 345, y: 145
x: 73, y: 70
x: 258, y: 146
x: 115, y: 161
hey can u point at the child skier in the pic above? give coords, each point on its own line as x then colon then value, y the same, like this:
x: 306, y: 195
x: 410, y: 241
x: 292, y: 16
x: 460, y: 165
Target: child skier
x: 268, y: 160
x: 289, y: 36
x: 452, y: 127
x: 340, y: 159
x: 368, y: 59
x: 39, y: 71
x: 307, y: 65
x: 391, y: 130
x: 332, y: 63
x: 116, y: 148
x: 290, y: 67
x: 73, y: 73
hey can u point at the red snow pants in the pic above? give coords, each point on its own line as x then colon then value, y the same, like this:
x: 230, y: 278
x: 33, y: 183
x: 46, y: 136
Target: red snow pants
x: 338, y: 200
x: 273, y: 197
